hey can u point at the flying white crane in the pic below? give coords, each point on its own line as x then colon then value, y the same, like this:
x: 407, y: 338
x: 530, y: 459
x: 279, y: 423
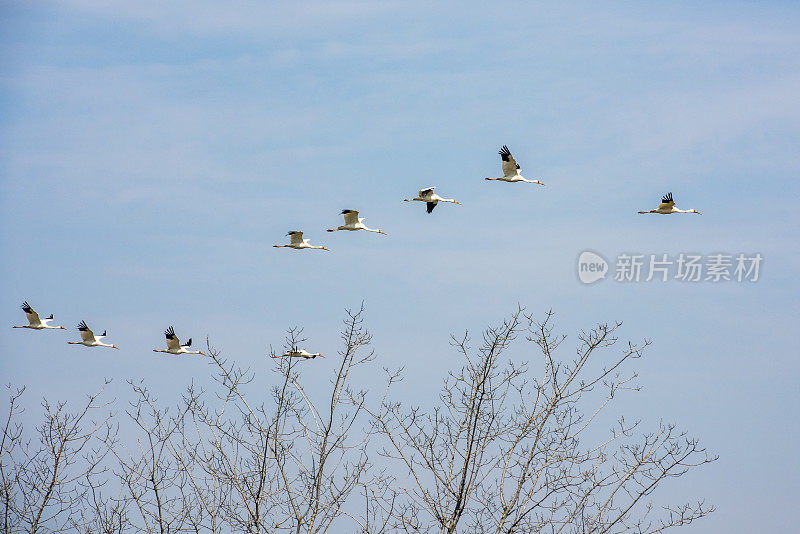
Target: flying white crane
x: 35, y: 322
x: 667, y: 207
x: 174, y: 344
x: 431, y: 198
x: 298, y: 353
x: 353, y: 222
x: 297, y: 242
x: 89, y: 339
x: 511, y: 169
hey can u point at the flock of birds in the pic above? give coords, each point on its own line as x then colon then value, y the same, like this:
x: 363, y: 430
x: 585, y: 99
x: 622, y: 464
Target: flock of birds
x: 511, y: 173
x: 352, y: 222
x: 90, y: 339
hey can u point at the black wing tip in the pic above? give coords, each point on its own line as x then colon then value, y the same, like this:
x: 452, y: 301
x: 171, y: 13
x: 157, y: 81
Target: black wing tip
x: 26, y: 307
x: 292, y: 232
x: 667, y: 198
x: 188, y: 343
x: 169, y: 332
x: 82, y: 326
x: 51, y: 316
x: 105, y: 332
x: 430, y: 206
x: 344, y: 212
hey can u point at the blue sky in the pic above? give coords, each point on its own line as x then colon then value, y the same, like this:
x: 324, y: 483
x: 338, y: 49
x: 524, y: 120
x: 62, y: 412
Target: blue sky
x: 150, y: 156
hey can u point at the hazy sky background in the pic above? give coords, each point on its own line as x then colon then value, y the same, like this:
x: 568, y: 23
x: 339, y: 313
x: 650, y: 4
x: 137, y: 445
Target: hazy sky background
x: 151, y: 155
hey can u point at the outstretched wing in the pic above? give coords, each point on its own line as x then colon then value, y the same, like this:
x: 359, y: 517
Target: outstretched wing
x: 173, y: 343
x: 666, y: 202
x: 33, y: 317
x: 86, y: 332
x: 431, y: 205
x: 188, y: 343
x: 296, y: 236
x: 510, y: 167
x: 350, y: 217
x: 425, y: 192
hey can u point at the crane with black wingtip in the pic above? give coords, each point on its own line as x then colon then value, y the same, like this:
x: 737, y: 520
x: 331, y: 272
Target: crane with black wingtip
x: 297, y: 242
x: 35, y: 322
x: 511, y: 169
x: 88, y: 339
x: 667, y: 207
x: 430, y: 198
x: 353, y: 222
x: 299, y: 353
x: 174, y: 345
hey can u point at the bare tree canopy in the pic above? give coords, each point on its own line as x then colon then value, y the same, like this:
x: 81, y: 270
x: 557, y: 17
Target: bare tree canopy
x: 511, y: 444
x: 504, y: 451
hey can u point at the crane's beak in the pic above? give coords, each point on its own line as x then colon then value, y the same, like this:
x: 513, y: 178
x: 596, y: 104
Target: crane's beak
x: 62, y: 328
x: 382, y: 232
x: 406, y: 200
x: 323, y: 248
x: 115, y: 347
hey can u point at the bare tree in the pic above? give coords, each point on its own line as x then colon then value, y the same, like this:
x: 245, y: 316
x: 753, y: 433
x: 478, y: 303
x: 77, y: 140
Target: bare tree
x: 504, y: 452
x: 150, y: 472
x: 243, y: 461
x: 291, y: 466
x: 42, y: 475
